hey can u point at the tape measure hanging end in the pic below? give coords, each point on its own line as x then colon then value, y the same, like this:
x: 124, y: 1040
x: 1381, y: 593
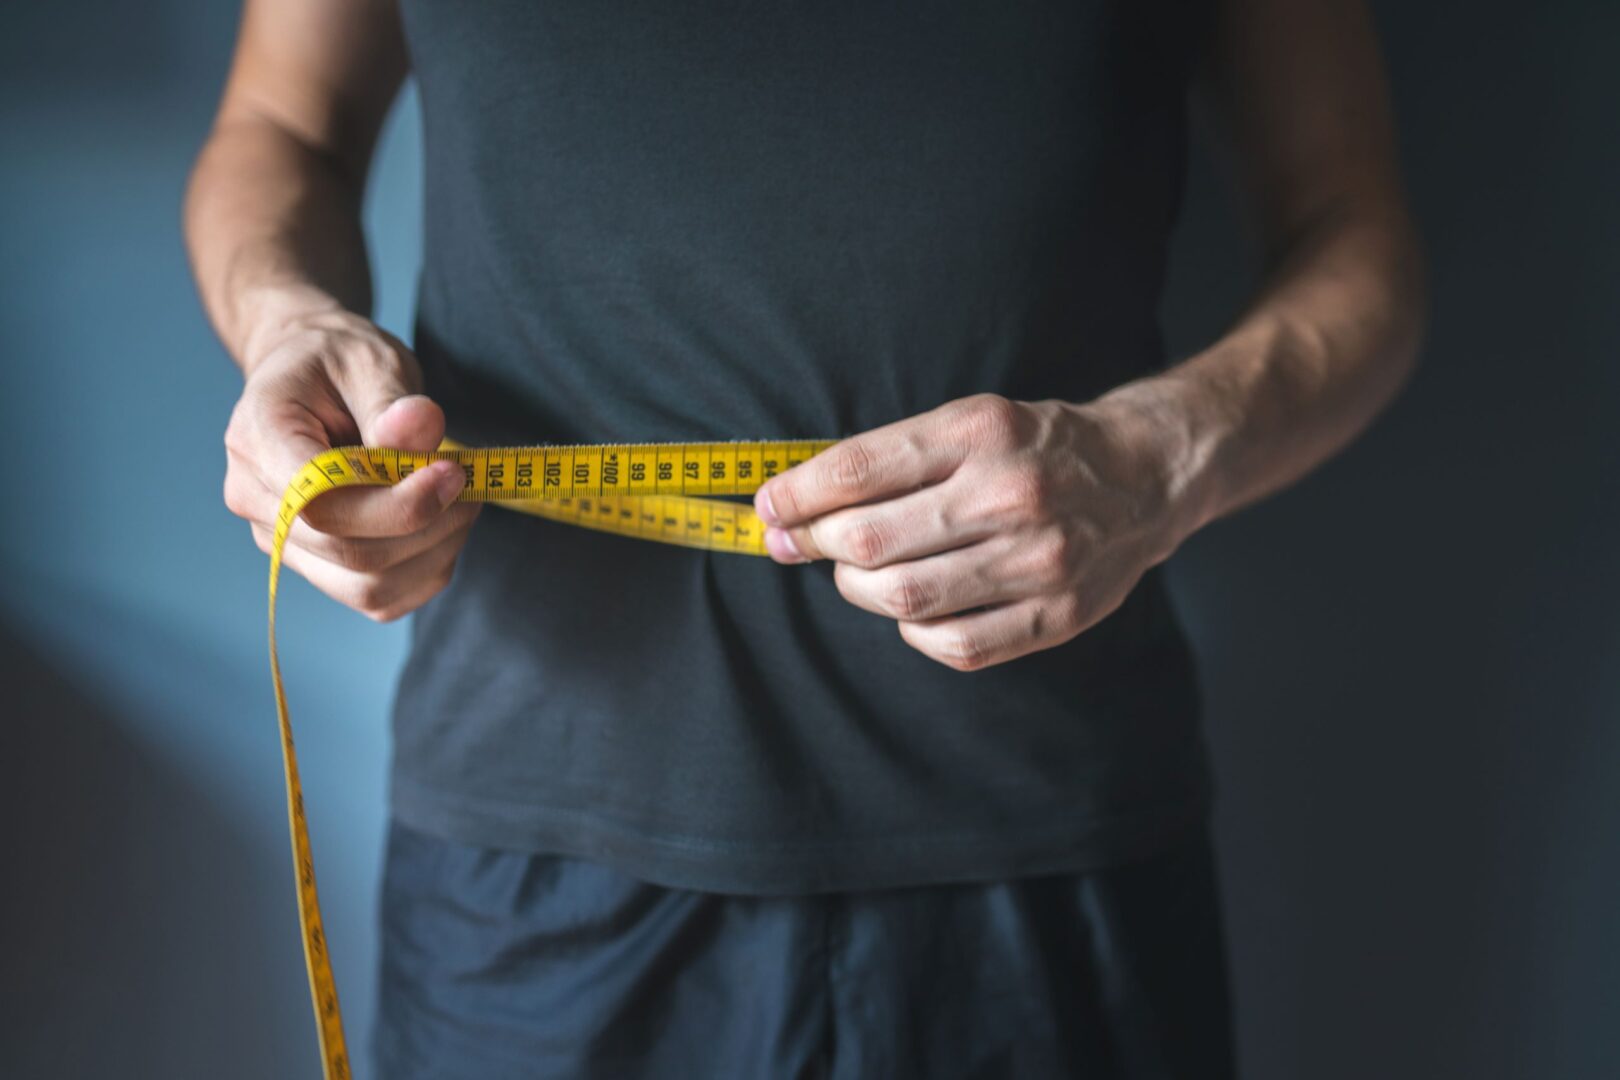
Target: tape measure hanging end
x: 653, y: 491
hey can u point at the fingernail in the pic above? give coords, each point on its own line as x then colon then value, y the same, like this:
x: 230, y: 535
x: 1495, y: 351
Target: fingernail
x: 766, y: 509
x: 779, y: 542
x: 450, y: 482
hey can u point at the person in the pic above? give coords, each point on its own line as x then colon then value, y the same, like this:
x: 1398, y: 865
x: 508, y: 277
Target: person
x: 925, y: 793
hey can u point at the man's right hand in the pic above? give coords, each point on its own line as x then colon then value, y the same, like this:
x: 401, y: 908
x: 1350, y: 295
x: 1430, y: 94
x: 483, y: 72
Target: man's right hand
x: 326, y: 377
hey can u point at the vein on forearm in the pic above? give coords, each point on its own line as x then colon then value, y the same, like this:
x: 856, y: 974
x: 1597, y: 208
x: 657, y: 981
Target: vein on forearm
x: 267, y: 210
x: 1324, y: 345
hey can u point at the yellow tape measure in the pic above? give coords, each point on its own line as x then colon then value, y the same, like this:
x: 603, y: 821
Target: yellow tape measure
x: 655, y: 491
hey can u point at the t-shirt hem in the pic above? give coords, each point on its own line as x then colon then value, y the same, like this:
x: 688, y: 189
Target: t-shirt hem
x: 764, y: 868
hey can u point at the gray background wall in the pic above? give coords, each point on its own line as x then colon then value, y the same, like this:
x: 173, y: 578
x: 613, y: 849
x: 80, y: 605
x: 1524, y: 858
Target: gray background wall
x: 1412, y: 661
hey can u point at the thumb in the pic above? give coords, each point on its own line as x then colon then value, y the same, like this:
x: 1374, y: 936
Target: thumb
x: 411, y: 422
x: 390, y: 389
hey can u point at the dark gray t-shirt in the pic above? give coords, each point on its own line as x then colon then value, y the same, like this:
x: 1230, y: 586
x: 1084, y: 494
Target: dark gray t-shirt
x: 721, y: 219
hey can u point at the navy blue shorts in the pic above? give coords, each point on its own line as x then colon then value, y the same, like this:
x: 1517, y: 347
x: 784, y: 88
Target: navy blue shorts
x: 500, y: 964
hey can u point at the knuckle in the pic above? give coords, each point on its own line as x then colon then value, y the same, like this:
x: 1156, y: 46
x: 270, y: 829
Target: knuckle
x: 370, y: 594
x: 441, y: 578
x: 962, y: 651
x: 236, y: 500
x: 1057, y: 554
x: 239, y: 427
x: 867, y: 543
x: 990, y: 419
x: 905, y: 597
x: 235, y: 441
x: 956, y: 648
x: 784, y: 497
x: 390, y: 614
x: 849, y: 466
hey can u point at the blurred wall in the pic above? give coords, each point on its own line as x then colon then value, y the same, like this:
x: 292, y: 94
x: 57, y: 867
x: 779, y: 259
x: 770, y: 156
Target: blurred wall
x: 1412, y: 661
x: 149, y: 928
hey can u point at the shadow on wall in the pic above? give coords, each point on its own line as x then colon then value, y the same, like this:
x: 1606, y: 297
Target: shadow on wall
x: 131, y: 922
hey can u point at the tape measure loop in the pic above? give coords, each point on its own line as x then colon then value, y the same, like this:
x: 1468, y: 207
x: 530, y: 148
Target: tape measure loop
x: 655, y: 491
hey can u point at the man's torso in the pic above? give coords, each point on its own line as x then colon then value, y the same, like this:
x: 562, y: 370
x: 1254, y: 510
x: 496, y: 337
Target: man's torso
x: 723, y: 220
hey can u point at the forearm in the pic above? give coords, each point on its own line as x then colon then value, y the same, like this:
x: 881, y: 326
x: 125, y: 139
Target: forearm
x: 273, y: 229
x: 1324, y: 346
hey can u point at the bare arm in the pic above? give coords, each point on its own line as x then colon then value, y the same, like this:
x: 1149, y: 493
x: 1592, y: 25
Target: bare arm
x: 990, y: 529
x: 1295, y: 98
x: 272, y: 223
x: 273, y: 208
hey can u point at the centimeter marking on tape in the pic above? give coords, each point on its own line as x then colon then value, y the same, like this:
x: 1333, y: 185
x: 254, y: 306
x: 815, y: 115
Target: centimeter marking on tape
x: 654, y: 491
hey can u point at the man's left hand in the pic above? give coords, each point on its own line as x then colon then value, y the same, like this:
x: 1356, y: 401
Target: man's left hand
x: 988, y: 528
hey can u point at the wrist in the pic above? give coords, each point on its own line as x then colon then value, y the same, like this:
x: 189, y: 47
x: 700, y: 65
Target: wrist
x: 266, y: 314
x: 1172, y: 435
